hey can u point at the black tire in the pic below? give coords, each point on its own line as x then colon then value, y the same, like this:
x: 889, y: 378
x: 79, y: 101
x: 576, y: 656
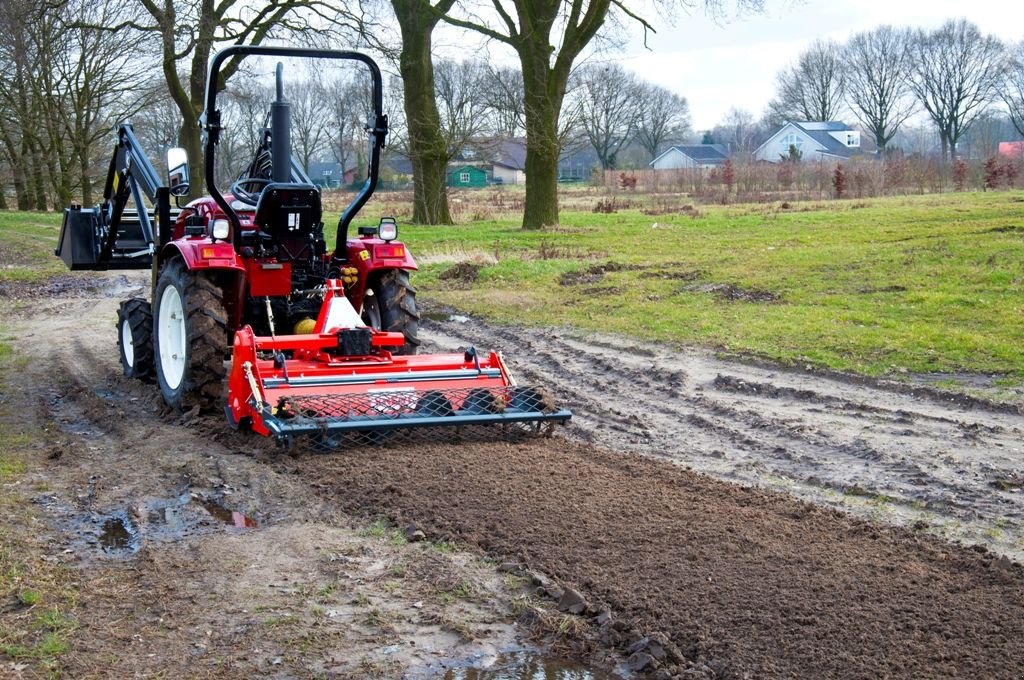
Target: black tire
x: 196, y: 377
x: 135, y: 338
x: 396, y: 302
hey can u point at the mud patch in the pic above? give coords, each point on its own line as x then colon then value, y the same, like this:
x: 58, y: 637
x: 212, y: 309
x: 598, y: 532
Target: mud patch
x: 463, y: 274
x: 594, y: 273
x: 734, y: 293
x: 527, y: 666
x: 68, y: 286
x: 673, y: 275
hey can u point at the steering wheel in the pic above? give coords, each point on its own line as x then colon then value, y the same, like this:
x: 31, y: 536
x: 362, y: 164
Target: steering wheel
x: 249, y: 196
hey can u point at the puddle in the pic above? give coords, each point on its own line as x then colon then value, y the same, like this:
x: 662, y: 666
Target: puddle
x: 118, y: 535
x: 121, y: 533
x: 230, y: 517
x: 444, y: 316
x: 526, y: 666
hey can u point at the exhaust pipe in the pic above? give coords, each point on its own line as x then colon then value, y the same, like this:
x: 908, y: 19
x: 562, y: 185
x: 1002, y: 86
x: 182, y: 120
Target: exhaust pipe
x: 280, y: 130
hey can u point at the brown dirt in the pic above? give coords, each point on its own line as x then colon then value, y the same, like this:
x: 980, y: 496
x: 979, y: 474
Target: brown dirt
x: 723, y: 579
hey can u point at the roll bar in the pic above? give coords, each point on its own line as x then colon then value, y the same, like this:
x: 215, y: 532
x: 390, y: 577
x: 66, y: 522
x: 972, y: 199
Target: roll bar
x: 210, y: 122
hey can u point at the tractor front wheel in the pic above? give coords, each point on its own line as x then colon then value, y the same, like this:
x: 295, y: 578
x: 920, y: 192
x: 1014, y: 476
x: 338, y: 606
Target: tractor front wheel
x: 135, y: 338
x: 190, y: 339
x: 395, y: 307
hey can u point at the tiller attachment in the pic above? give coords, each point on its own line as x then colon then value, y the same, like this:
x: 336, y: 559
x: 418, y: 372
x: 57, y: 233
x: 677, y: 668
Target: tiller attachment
x: 342, y: 384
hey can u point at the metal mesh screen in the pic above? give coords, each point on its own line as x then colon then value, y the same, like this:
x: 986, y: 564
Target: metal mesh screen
x: 394, y: 415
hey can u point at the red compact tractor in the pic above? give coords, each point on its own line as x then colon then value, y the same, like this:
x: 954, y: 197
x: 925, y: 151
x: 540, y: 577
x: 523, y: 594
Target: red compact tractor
x: 250, y: 310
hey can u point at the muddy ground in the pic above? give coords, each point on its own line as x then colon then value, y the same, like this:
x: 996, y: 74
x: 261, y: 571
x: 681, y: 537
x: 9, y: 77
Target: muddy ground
x: 199, y: 552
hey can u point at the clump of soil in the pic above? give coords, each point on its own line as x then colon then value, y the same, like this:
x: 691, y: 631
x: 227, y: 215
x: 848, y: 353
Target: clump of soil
x: 594, y: 273
x: 465, y: 273
x: 675, y: 275
x: 734, y: 293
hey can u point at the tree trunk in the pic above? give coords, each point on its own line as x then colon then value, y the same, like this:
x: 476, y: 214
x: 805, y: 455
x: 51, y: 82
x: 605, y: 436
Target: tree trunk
x: 3, y: 197
x: 83, y: 160
x: 544, y: 91
x: 427, y: 150
x: 38, y: 181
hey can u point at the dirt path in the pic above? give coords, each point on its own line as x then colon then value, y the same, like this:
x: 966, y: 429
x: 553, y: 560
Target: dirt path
x: 151, y: 510
x: 899, y: 454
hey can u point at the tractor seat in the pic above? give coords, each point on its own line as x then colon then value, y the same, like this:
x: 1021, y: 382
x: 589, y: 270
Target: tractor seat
x: 286, y: 210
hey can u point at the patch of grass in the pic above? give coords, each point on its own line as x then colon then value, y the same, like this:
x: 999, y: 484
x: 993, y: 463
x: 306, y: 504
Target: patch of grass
x: 920, y: 284
x: 27, y: 241
x: 383, y: 529
x: 283, y: 620
x: 29, y: 598
x: 463, y: 590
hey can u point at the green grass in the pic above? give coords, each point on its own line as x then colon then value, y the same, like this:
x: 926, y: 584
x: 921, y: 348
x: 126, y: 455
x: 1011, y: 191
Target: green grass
x: 27, y: 241
x: 909, y: 284
x: 923, y: 284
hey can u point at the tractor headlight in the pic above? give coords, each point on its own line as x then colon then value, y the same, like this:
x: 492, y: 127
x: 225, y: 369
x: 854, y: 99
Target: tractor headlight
x: 387, y: 230
x: 220, y: 230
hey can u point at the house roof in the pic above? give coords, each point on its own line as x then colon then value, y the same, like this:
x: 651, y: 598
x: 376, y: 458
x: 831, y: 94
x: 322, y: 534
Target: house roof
x: 820, y: 131
x: 707, y: 154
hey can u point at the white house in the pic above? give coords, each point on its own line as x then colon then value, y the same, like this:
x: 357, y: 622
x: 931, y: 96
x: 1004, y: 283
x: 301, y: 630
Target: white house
x: 815, y: 140
x: 691, y: 156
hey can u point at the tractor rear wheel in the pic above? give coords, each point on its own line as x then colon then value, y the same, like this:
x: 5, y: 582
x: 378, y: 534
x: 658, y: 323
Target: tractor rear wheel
x: 190, y: 338
x: 135, y: 338
x: 395, y: 306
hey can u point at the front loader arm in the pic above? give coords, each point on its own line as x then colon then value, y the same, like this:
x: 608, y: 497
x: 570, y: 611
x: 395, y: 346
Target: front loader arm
x: 129, y: 176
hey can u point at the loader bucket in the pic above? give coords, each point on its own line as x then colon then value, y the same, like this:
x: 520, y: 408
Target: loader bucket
x: 328, y: 386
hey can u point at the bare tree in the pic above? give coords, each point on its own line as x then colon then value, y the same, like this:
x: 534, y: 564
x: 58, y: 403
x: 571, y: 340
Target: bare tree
x: 878, y: 81
x: 955, y: 73
x: 503, y: 94
x: 738, y: 131
x: 812, y: 89
x: 425, y: 143
x: 461, y: 107
x: 190, y: 30
x: 1013, y: 85
x: 663, y: 116
x: 310, y: 119
x: 609, y: 101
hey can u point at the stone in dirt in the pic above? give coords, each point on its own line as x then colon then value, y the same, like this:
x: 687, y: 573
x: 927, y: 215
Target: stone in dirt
x: 414, y: 535
x: 640, y: 661
x: 572, y: 602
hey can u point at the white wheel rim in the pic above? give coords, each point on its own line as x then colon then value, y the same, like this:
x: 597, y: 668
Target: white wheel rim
x: 171, y: 329
x: 127, y: 343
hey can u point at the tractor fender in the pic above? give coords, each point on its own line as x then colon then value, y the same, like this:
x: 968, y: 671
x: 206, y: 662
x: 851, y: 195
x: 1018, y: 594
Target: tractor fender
x: 204, y: 253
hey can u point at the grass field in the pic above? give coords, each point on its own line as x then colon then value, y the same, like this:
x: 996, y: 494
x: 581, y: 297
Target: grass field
x: 928, y: 284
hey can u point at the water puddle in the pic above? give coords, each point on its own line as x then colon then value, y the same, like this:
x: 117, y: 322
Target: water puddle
x: 118, y: 535
x: 445, y: 316
x: 229, y: 517
x: 526, y: 666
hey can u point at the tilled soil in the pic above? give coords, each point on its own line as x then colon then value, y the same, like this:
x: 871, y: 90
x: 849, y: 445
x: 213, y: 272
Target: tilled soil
x: 899, y: 453
x: 745, y: 582
x: 737, y: 581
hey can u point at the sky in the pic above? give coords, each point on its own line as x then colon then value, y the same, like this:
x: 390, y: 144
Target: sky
x: 719, y: 65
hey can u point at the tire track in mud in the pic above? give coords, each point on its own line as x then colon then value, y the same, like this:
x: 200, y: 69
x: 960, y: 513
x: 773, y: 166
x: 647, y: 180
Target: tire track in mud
x: 888, y: 451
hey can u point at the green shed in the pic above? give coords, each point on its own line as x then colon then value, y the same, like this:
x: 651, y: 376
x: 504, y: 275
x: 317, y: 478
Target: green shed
x: 467, y: 176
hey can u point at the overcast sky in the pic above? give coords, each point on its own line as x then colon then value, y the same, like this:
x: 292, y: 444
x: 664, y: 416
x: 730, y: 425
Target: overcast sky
x: 720, y: 65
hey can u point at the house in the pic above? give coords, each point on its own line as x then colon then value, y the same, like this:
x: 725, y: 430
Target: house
x: 463, y: 176
x: 815, y: 141
x: 691, y: 156
x: 504, y: 159
x: 328, y: 174
x: 1011, y: 149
